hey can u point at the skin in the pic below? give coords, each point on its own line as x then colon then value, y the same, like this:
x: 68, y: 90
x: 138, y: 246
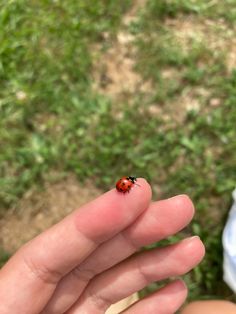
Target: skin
x: 86, y: 262
x: 210, y: 307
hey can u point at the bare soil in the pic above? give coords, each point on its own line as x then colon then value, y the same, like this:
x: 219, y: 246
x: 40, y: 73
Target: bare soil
x: 38, y: 211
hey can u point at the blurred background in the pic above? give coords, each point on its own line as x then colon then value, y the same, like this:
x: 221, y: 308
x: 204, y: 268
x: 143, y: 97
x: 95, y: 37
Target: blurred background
x: 93, y: 90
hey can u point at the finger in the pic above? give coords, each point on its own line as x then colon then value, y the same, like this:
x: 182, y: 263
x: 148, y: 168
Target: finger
x: 134, y: 274
x: 38, y: 266
x: 160, y: 220
x: 166, y: 300
x: 210, y: 307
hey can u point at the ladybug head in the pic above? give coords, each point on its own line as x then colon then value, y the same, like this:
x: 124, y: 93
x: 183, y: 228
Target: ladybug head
x: 132, y: 179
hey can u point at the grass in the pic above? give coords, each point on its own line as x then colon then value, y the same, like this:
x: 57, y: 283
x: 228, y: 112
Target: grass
x: 4, y: 256
x: 45, y: 75
x: 52, y: 120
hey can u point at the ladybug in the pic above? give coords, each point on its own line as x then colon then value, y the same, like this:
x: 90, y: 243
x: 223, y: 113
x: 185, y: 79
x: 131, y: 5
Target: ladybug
x: 125, y: 184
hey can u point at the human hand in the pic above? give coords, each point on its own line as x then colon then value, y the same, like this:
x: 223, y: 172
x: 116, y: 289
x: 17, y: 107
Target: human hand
x: 85, y: 263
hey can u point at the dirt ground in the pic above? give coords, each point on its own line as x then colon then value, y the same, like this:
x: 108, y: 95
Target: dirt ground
x: 38, y: 211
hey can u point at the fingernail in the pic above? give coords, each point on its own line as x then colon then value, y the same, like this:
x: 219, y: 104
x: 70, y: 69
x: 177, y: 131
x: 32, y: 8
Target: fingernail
x: 177, y: 196
x: 190, y: 239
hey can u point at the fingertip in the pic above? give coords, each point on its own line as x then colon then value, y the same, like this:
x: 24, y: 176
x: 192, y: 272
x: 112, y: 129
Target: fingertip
x: 179, y: 286
x: 199, y: 246
x: 168, y: 299
x: 195, y: 248
x: 195, y: 242
x: 145, y: 186
x: 177, y: 291
x: 183, y: 201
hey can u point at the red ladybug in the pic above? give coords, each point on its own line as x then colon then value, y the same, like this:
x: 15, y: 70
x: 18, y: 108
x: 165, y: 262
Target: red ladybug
x: 125, y: 184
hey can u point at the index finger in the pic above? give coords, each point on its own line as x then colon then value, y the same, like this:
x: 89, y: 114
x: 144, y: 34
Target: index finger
x: 40, y: 264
